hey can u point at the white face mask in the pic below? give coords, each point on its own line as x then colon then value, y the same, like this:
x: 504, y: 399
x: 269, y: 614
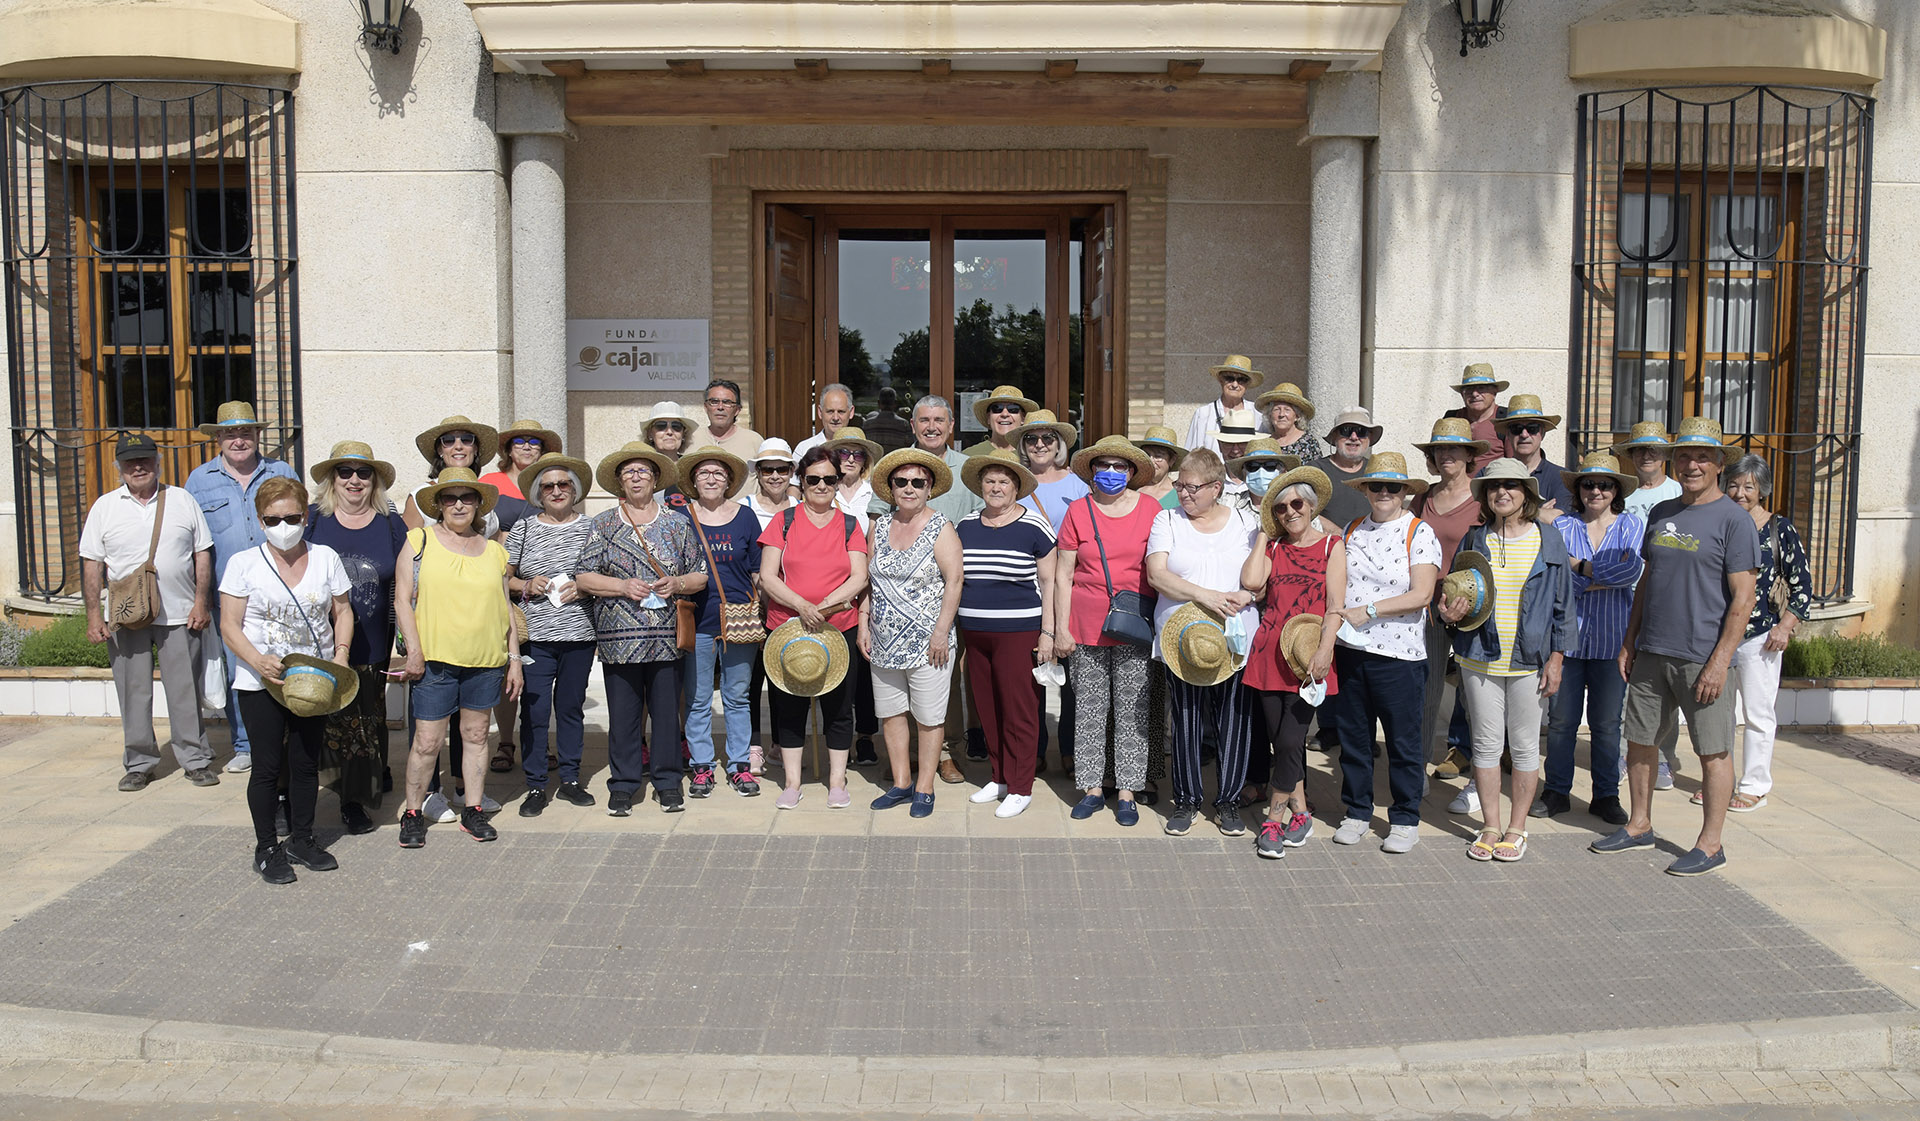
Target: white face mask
x: 1351, y: 635
x: 1314, y: 692
x: 283, y: 536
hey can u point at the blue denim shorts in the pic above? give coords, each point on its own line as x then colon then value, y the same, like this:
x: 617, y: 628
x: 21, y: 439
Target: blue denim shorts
x: 446, y: 688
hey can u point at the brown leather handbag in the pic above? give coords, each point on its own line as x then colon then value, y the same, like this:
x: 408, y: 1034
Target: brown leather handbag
x: 682, y: 606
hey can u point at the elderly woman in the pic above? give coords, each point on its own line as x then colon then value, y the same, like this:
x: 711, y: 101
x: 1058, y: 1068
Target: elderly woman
x: 1603, y: 540
x: 521, y: 443
x: 639, y: 557
x: 1257, y: 467
x: 284, y: 598
x: 1511, y: 639
x: 1450, y: 510
x: 1393, y: 561
x: 906, y: 620
x: 773, y: 492
x: 666, y: 430
x: 1298, y: 569
x: 855, y: 456
x: 544, y: 552
x: 1103, y: 558
x: 813, y: 566
x: 1782, y: 600
x: 1288, y: 412
x: 1044, y: 442
x: 352, y: 516
x: 1006, y: 609
x: 450, y: 598
x: 729, y: 536
x: 1194, y: 555
x: 1165, y: 453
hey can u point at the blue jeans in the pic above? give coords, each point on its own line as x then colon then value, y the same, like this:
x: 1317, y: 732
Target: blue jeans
x: 556, y: 686
x: 1597, y: 683
x: 736, y: 669
x: 1374, y: 685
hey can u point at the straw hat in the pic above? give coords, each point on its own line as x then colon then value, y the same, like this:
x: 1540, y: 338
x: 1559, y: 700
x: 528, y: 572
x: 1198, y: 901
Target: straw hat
x: 1504, y: 468
x: 1701, y: 432
x: 1266, y: 448
x: 549, y: 439
x: 1003, y: 394
x: 1389, y: 467
x: 1600, y: 463
x: 1160, y: 436
x: 1289, y: 393
x: 774, y: 450
x: 1238, y: 364
x: 854, y: 437
x: 545, y: 463
x: 805, y: 663
x: 1237, y: 426
x: 1119, y: 447
x: 998, y: 457
x: 1300, y: 641
x: 665, y: 412
x: 1525, y: 406
x: 313, y: 686
x: 665, y: 474
x: 1044, y: 418
x: 486, y: 446
x: 429, y: 496
x: 351, y: 451
x: 894, y: 460
x: 736, y: 467
x: 1645, y: 434
x: 1453, y: 432
x: 232, y: 414
x: 1471, y: 579
x: 1354, y: 414
x: 1313, y: 477
x: 1193, y: 642
x: 1480, y: 376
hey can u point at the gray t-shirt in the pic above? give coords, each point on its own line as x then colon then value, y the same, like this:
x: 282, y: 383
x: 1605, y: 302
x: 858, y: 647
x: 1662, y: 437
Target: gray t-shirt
x: 1690, y: 551
x: 1348, y: 504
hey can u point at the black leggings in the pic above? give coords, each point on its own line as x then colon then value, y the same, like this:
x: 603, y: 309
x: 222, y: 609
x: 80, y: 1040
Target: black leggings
x: 1284, y: 719
x: 836, y: 708
x: 281, y: 741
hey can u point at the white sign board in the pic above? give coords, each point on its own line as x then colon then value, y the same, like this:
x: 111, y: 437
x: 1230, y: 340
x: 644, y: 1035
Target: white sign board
x: 644, y: 354
x: 969, y: 422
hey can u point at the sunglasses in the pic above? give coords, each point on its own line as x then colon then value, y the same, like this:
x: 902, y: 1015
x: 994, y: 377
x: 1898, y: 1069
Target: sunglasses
x: 996, y: 410
x: 1113, y: 465
x: 1528, y: 429
x: 1350, y: 432
x: 914, y: 483
x: 451, y: 438
x: 1506, y: 484
x: 1385, y: 488
x: 345, y: 472
x: 820, y: 480
x: 282, y: 519
x: 1598, y: 484
x: 558, y: 484
x: 776, y: 468
x: 1040, y: 438
x: 850, y: 453
x: 464, y: 498
x: 1235, y: 379
x: 526, y: 442
x: 1294, y: 506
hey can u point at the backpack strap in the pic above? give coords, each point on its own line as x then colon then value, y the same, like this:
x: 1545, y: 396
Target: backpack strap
x: 848, y: 522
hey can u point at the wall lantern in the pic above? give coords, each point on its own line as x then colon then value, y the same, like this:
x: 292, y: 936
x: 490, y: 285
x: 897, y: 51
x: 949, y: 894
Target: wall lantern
x: 1480, y: 22
x: 380, y: 21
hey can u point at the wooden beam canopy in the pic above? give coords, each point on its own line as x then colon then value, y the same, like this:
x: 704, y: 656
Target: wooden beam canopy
x: 1182, y: 69
x: 567, y: 68
x: 1307, y: 69
x: 687, y: 67
x: 811, y: 68
x: 1061, y: 68
x: 936, y: 67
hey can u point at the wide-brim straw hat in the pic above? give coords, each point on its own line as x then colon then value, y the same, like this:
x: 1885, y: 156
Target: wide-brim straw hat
x: 1044, y: 418
x: 1003, y: 393
x: 1702, y: 432
x: 232, y: 414
x: 1289, y: 393
x: 882, y: 476
x: 1238, y: 364
x: 351, y: 451
x: 1024, y: 482
x: 429, y: 496
x: 486, y: 440
x: 1525, y: 406
x: 1479, y: 375
x: 1511, y: 470
x: 805, y: 663
x: 1300, y: 641
x: 714, y: 453
x: 1645, y: 434
x: 665, y: 474
x: 1354, y: 414
x: 1600, y: 463
x: 313, y: 686
x: 1388, y: 467
x: 1264, y: 448
x: 853, y: 436
x: 548, y: 462
x: 1119, y: 447
x: 1160, y: 436
x: 1193, y: 643
x: 549, y: 439
x: 1452, y: 432
x: 1313, y: 477
x: 1471, y: 577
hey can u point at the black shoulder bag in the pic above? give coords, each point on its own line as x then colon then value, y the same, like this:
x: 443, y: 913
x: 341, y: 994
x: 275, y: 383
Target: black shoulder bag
x: 1129, y: 612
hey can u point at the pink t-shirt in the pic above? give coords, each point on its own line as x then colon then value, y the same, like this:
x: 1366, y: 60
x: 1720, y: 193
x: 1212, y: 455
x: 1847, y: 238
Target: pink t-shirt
x: 1125, y: 539
x: 814, y: 563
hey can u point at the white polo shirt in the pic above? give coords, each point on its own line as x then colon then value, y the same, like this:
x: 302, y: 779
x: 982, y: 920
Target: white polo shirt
x: 118, y: 529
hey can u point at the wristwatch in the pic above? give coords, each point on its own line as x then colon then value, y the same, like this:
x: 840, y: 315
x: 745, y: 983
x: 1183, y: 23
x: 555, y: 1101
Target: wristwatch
x: 1372, y: 612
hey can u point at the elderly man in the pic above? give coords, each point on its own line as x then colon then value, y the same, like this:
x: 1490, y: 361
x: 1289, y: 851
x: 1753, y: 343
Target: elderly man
x: 1479, y: 396
x: 835, y: 410
x: 1645, y: 449
x: 1524, y: 427
x: 722, y: 402
x: 1236, y: 376
x: 143, y: 518
x: 1689, y: 616
x: 224, y: 487
x: 1352, y: 437
x: 1001, y: 413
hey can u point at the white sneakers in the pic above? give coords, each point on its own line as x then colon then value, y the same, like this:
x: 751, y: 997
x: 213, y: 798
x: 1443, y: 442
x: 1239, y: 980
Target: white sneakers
x: 1401, y: 838
x: 991, y: 792
x: 241, y: 763
x: 438, y: 810
x: 1351, y: 830
x: 1465, y: 802
x: 1012, y: 805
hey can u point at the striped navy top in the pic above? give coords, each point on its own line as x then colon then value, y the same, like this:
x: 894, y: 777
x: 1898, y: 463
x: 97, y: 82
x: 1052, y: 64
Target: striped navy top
x: 1001, y: 590
x: 1602, y: 604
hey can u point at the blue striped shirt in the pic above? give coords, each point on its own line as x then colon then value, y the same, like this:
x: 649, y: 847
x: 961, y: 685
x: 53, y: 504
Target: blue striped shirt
x: 1602, y: 605
x: 1000, y: 565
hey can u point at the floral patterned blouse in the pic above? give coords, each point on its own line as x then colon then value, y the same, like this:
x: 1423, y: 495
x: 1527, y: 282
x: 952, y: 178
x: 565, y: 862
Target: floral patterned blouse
x: 626, y: 631
x: 907, y: 592
x: 1789, y: 563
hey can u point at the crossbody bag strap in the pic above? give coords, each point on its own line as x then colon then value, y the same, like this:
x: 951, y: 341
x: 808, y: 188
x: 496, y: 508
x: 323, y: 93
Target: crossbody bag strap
x: 1105, y: 572
x: 275, y: 569
x: 160, y: 520
x: 712, y: 569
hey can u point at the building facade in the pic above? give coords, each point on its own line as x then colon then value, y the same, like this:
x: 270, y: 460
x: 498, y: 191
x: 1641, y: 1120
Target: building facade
x: 570, y: 210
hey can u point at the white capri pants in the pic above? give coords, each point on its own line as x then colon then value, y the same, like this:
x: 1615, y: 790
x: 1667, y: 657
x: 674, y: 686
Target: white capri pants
x: 1757, y: 671
x: 1504, y: 709
x: 922, y: 691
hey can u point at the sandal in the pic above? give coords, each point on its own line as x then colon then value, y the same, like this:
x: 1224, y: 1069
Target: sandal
x: 502, y: 759
x: 1507, y: 851
x: 1698, y: 800
x: 1746, y: 803
x: 1480, y: 849
x: 1252, y: 795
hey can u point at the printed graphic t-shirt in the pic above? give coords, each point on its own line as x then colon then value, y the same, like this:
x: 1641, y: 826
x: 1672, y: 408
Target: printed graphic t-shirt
x: 1690, y: 551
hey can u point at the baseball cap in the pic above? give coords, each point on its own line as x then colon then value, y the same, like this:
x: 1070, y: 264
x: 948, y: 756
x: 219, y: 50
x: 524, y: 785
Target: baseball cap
x: 135, y: 445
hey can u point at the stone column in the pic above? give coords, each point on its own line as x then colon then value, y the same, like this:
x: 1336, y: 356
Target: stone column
x: 531, y: 112
x: 1343, y: 118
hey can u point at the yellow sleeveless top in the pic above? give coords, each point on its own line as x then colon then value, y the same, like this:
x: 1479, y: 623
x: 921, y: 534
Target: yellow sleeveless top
x: 461, y: 609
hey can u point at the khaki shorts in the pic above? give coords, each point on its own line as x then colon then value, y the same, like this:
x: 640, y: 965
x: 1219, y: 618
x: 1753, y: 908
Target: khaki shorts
x: 1662, y: 687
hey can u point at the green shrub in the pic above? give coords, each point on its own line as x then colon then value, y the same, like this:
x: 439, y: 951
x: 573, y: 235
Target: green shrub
x: 12, y: 637
x: 64, y: 643
x: 1867, y: 656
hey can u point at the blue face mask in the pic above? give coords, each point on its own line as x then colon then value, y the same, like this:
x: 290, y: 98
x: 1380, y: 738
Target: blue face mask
x: 1110, y: 481
x: 1260, y: 478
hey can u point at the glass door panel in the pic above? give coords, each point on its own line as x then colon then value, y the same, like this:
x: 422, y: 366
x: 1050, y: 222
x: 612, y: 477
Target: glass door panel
x: 885, y: 310
x: 999, y: 316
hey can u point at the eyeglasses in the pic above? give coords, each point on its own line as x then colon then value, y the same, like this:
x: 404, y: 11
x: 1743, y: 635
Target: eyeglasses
x: 1113, y: 465
x: 1005, y: 407
x: 722, y: 401
x: 1506, y: 484
x: 1294, y: 506
x: 558, y: 484
x: 713, y: 473
x: 1041, y: 439
x: 464, y: 498
x: 776, y: 468
x: 1194, y: 488
x: 345, y: 472
x: 1235, y: 379
x: 637, y: 470
x: 1350, y: 432
x: 282, y: 519
x: 820, y: 480
x: 1385, y: 488
x: 916, y: 482
x: 1530, y: 428
x: 1598, y: 484
x: 449, y: 439
x: 525, y: 442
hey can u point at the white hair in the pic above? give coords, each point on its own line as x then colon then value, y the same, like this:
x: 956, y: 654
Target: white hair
x: 579, y: 487
x: 1306, y: 491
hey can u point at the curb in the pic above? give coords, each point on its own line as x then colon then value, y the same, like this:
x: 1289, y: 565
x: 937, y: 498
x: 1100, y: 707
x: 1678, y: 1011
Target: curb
x: 1855, y: 1043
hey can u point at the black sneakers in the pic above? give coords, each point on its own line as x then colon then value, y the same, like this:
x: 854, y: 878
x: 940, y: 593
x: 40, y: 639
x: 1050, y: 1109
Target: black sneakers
x: 573, y: 793
x: 1230, y: 822
x: 413, y: 829
x: 302, y: 851
x: 743, y: 784
x: 619, y: 804
x: 863, y: 753
x: 475, y: 824
x: 354, y: 819
x: 271, y: 863
x: 1181, y: 821
x: 135, y: 780
x: 672, y: 802
x: 702, y: 784
x: 534, y: 803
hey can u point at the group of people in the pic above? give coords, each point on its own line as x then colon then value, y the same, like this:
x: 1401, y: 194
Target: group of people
x: 1212, y: 600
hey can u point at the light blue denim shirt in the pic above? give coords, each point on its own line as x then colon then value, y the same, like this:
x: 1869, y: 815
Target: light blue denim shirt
x: 229, y: 507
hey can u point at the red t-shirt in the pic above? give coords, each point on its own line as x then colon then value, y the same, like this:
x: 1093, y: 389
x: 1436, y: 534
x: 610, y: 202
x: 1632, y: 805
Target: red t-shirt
x: 1449, y: 527
x: 1296, y: 585
x: 1125, y: 539
x: 815, y: 563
